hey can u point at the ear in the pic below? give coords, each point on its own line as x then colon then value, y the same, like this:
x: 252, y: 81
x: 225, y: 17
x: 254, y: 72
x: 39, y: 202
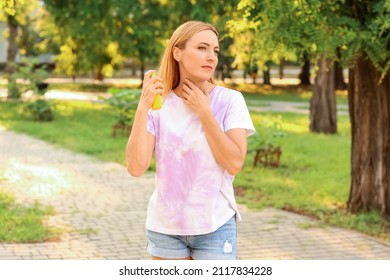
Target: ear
x: 176, y: 54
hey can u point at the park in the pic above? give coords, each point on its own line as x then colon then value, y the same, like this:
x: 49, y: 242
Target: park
x: 314, y: 75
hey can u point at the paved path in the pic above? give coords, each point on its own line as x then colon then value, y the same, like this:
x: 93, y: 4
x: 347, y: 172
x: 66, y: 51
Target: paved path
x: 103, y: 211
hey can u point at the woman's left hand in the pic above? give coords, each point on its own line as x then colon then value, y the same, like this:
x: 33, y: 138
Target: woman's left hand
x: 195, y: 98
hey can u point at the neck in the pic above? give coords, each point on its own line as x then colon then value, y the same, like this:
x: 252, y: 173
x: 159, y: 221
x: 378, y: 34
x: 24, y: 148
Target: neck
x: 204, y: 86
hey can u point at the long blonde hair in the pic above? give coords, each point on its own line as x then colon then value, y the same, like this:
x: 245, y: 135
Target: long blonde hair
x: 169, y: 67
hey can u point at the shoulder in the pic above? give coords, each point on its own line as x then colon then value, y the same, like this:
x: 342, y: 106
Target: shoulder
x: 227, y: 91
x: 227, y: 94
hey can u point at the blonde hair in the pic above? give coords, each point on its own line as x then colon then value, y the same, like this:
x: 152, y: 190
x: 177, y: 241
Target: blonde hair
x: 169, y: 67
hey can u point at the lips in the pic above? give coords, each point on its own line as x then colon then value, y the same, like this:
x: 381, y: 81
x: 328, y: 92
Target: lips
x: 207, y: 67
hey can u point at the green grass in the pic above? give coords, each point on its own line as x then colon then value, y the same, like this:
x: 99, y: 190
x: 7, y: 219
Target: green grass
x: 314, y: 171
x: 293, y: 93
x: 23, y: 223
x: 79, y: 126
x: 313, y: 179
x: 80, y: 87
x: 20, y: 223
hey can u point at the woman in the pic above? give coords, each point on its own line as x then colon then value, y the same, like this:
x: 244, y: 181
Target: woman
x: 199, y: 137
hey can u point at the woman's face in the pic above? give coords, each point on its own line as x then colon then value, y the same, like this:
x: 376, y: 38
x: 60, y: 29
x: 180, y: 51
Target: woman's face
x: 199, y: 58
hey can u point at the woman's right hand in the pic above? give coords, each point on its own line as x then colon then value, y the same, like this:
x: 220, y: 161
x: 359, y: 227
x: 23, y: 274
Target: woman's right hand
x: 151, y: 87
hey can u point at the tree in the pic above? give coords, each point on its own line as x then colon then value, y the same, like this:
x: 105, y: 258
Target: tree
x: 369, y: 101
x: 8, y: 8
x: 294, y: 29
x: 255, y: 46
x: 18, y: 15
x: 357, y: 34
x: 85, y: 28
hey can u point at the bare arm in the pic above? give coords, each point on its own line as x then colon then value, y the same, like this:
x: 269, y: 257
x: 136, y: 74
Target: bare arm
x: 140, y: 146
x: 229, y: 149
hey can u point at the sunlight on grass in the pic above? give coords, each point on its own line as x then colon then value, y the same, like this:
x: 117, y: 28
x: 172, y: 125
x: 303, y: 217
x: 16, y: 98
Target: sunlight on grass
x: 80, y: 126
x: 24, y: 223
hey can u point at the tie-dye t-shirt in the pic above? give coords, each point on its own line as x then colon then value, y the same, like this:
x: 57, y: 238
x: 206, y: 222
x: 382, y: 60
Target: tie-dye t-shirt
x: 193, y: 194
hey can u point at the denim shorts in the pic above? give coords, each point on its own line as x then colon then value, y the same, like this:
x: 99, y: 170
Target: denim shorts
x: 218, y: 245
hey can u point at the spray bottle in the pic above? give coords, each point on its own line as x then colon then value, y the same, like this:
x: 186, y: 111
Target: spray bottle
x: 157, y: 103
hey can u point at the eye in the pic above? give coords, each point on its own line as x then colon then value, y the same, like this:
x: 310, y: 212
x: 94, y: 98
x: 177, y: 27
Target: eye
x: 202, y: 48
x: 216, y: 52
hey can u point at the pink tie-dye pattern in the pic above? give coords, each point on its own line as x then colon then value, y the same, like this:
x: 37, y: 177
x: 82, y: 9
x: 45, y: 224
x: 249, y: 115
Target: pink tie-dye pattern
x: 193, y: 194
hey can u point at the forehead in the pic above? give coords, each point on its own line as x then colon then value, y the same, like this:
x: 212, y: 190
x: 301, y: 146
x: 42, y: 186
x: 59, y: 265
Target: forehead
x: 205, y: 36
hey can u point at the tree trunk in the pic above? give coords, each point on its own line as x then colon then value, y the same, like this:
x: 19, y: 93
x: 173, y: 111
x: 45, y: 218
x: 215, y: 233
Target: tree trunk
x: 323, y: 113
x: 338, y: 74
x: 304, y: 76
x: 12, y: 46
x: 254, y: 76
x: 369, y: 110
x: 281, y: 68
x: 99, y: 75
x: 267, y: 74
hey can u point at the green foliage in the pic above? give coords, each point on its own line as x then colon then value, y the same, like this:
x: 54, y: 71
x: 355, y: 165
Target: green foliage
x: 32, y: 75
x: 317, y: 27
x: 99, y: 35
x: 40, y: 110
x: 33, y: 80
x: 25, y: 15
x: 124, y: 103
x: 13, y: 89
x: 8, y: 6
x: 269, y: 132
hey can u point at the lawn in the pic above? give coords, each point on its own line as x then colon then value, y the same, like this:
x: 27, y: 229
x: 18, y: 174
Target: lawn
x: 313, y: 178
x: 23, y: 223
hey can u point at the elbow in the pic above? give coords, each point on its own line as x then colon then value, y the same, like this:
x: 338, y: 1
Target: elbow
x: 235, y: 168
x: 135, y: 172
x: 136, y: 168
x: 233, y: 171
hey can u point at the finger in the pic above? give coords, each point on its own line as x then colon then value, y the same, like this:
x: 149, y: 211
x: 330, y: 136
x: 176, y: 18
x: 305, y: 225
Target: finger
x: 189, y: 83
x: 158, y: 86
x: 153, y: 84
x: 148, y: 75
x: 186, y: 88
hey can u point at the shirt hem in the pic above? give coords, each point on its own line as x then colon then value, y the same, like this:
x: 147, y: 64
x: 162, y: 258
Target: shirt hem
x: 192, y: 231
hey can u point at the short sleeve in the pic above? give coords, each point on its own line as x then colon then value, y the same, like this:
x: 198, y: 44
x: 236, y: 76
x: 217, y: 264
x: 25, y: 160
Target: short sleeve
x: 238, y: 115
x: 150, y: 127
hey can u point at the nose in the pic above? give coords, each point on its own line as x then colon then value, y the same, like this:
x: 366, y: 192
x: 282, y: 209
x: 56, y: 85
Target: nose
x: 211, y: 55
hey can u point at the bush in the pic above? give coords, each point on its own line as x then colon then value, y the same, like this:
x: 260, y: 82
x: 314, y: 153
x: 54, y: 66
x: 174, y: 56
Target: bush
x: 39, y: 108
x: 266, y: 142
x: 269, y: 133
x: 13, y: 89
x: 124, y: 103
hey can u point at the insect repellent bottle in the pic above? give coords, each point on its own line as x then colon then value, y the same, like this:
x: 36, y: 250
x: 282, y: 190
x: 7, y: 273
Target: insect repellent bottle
x: 157, y: 103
